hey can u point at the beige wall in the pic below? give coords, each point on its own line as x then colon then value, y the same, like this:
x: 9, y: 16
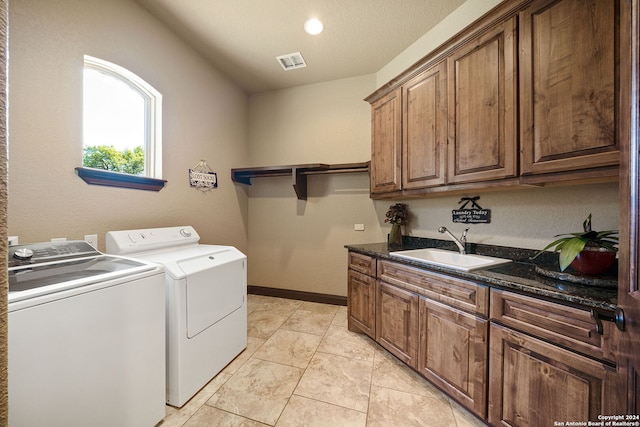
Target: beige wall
x: 296, y: 244
x: 205, y: 117
x: 300, y: 245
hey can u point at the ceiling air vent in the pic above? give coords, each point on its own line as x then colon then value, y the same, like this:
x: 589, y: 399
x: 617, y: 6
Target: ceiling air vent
x: 291, y: 61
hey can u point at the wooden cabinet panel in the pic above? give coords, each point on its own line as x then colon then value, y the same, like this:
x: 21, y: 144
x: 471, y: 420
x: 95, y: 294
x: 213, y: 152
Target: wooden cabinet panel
x: 386, y: 143
x: 424, y: 133
x: 567, y: 326
x: 535, y: 383
x: 482, y: 80
x: 362, y: 263
x: 361, y: 303
x: 452, y: 353
x: 567, y: 84
x: 456, y: 292
x: 397, y: 322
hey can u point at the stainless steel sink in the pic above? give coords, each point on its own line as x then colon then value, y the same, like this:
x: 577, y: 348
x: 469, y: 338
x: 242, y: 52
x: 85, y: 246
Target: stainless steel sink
x: 450, y: 259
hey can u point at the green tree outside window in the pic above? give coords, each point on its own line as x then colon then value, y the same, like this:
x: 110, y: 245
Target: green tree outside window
x: 106, y: 157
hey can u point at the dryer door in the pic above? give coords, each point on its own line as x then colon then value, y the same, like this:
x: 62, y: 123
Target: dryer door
x: 216, y: 287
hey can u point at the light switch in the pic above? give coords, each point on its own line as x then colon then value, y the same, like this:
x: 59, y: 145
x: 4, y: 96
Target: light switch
x: 358, y: 227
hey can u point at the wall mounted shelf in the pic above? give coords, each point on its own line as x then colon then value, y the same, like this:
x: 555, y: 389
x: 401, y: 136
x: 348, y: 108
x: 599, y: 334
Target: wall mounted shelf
x: 298, y: 173
x: 116, y: 179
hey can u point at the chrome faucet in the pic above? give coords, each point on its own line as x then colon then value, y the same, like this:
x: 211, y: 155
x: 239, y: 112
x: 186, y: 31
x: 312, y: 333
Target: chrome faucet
x: 460, y: 243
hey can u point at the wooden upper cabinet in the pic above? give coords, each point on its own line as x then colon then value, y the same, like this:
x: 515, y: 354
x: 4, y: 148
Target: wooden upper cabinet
x: 482, y: 97
x: 386, y: 143
x: 567, y: 85
x: 424, y: 133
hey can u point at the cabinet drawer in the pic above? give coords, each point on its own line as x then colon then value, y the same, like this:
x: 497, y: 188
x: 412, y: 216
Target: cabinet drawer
x: 362, y: 263
x: 570, y: 327
x: 459, y: 293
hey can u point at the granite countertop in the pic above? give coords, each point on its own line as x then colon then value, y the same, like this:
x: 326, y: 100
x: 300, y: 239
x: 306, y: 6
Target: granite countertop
x: 520, y: 275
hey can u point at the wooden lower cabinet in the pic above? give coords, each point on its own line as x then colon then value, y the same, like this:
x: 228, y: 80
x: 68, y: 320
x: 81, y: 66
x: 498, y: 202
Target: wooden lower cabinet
x: 452, y: 353
x: 361, y: 303
x: 397, y: 322
x: 517, y: 361
x: 536, y: 383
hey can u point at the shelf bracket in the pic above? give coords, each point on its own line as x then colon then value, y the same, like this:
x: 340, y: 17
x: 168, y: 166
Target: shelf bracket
x: 299, y: 183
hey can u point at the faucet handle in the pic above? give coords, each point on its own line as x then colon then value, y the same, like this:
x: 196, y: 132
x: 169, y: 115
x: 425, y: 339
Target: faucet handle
x: 464, y: 234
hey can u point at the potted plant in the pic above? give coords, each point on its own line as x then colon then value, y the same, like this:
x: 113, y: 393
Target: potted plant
x: 589, y: 252
x: 397, y: 215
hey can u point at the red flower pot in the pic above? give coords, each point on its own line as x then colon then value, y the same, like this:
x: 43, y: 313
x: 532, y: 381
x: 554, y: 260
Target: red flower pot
x: 593, y: 261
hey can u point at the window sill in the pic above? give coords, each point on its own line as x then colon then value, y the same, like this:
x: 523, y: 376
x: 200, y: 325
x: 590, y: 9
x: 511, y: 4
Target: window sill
x: 115, y: 179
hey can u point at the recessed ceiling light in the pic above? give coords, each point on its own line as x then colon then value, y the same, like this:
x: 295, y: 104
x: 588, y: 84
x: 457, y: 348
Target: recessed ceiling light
x: 313, y: 26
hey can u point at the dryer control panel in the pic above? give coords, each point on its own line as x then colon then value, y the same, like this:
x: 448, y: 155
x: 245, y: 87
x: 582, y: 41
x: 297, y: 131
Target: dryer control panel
x: 131, y: 241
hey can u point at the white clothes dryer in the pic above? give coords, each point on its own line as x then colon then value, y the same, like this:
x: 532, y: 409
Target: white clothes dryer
x: 206, y: 307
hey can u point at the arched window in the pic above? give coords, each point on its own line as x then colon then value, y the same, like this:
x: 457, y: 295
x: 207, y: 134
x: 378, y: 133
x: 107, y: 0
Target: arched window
x: 122, y: 121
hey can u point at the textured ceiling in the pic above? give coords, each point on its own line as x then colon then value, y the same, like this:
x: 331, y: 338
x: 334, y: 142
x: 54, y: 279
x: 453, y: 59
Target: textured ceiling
x: 243, y: 37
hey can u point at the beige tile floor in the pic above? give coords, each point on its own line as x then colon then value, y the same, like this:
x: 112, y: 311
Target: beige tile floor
x: 302, y: 367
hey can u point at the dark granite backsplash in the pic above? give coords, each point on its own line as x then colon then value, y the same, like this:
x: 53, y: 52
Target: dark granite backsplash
x: 519, y: 275
x: 516, y: 254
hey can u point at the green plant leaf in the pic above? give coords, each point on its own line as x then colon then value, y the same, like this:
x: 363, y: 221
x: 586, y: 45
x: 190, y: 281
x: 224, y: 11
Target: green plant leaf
x: 570, y: 249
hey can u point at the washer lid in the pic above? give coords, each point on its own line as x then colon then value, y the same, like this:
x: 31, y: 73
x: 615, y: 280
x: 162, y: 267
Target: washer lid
x: 28, y: 281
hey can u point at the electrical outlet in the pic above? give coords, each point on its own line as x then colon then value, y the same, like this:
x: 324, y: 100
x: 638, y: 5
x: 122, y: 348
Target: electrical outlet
x: 92, y: 239
x: 13, y: 240
x: 358, y: 227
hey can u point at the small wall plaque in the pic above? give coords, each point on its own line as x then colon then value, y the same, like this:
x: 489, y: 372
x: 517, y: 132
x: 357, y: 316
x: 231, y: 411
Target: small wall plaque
x: 202, y: 178
x: 473, y: 214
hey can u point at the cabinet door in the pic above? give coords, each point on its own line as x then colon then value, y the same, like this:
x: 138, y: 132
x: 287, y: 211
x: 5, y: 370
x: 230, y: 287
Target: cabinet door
x: 397, y: 322
x: 453, y: 353
x: 386, y: 143
x: 535, y: 383
x: 482, y: 81
x: 424, y: 133
x: 361, y: 303
x: 567, y: 78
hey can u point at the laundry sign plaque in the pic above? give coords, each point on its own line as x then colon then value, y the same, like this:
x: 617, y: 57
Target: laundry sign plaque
x: 474, y: 214
x: 202, y: 178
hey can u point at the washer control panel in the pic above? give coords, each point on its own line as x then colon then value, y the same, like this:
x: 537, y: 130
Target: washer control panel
x: 49, y: 251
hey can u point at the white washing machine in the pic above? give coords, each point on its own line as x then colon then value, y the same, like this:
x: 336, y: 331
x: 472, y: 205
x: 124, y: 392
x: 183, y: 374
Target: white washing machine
x: 86, y: 338
x: 206, y: 288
